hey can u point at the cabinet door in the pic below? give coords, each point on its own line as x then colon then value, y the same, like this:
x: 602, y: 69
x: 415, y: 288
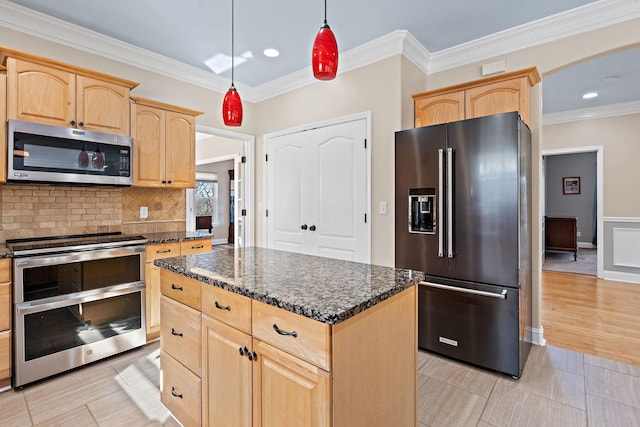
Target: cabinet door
x: 288, y: 391
x: 3, y: 127
x: 226, y: 386
x: 180, y: 146
x: 180, y: 391
x: 496, y: 98
x: 437, y: 109
x: 102, y: 106
x: 5, y: 355
x: 38, y: 93
x: 152, y: 279
x: 148, y: 132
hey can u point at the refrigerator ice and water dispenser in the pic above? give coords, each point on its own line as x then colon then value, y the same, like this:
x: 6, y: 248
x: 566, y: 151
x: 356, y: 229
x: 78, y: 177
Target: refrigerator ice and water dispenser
x: 422, y: 215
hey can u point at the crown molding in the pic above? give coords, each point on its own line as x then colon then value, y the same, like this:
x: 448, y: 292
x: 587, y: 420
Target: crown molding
x: 589, y: 17
x: 612, y: 110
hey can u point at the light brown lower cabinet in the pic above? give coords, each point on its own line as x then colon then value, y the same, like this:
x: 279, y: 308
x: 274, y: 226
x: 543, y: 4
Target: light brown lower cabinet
x: 5, y: 322
x: 360, y: 372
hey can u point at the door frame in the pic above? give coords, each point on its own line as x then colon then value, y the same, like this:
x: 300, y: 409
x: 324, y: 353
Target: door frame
x: 599, y: 150
x: 366, y: 116
x: 248, y: 179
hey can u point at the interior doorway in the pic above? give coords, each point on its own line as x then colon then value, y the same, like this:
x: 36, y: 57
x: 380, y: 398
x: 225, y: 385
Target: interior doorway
x: 557, y: 210
x: 225, y: 168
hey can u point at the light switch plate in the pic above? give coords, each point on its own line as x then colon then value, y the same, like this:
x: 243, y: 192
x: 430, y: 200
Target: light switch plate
x: 144, y: 212
x: 383, y: 208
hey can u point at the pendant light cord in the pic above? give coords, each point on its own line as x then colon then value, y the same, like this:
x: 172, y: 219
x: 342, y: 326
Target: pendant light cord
x: 325, y: 11
x: 232, y: 47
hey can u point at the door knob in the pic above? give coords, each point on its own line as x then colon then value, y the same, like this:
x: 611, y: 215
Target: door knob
x: 303, y: 227
x: 312, y: 228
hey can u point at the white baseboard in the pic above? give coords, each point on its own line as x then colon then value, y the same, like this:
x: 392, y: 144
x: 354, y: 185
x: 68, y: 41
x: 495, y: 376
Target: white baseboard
x: 586, y: 245
x: 621, y: 276
x: 219, y: 241
x: 535, y: 336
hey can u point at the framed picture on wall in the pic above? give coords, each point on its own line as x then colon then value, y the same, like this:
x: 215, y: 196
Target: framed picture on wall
x: 571, y: 185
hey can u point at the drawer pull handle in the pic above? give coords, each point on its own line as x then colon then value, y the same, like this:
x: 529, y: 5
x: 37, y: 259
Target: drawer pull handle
x: 174, y: 394
x: 252, y: 356
x: 177, y: 334
x: 243, y: 351
x: 281, y: 332
x: 219, y: 307
x: 166, y: 251
x: 177, y: 288
x: 197, y: 247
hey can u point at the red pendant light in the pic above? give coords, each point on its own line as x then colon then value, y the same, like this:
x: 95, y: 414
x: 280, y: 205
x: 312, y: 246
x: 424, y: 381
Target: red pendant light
x: 324, y: 55
x: 232, y: 104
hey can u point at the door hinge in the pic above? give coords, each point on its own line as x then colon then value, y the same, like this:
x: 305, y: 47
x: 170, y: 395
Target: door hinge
x: 244, y: 212
x: 244, y: 159
x: 365, y: 218
x: 365, y: 143
x: 266, y: 157
x: 266, y: 212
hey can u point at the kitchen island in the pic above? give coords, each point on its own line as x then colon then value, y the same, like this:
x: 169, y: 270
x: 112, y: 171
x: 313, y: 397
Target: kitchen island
x: 273, y: 338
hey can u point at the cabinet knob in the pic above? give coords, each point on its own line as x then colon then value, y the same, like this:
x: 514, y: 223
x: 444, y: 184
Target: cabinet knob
x: 169, y: 182
x: 312, y: 228
x: 303, y: 227
x: 252, y: 356
x: 72, y: 122
x: 81, y: 124
x: 164, y: 182
x: 243, y: 351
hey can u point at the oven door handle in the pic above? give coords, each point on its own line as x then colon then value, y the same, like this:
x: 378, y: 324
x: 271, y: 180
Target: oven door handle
x: 31, y: 307
x: 501, y: 295
x: 69, y: 257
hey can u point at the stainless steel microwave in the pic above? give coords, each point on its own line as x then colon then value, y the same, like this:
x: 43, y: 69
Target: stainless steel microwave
x: 55, y: 154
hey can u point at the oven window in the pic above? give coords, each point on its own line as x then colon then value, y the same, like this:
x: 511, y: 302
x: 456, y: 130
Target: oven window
x: 52, y: 331
x: 63, y: 279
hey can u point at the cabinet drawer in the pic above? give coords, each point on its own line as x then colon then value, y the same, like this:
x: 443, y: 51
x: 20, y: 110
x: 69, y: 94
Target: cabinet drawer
x: 180, y: 333
x: 312, y: 341
x: 5, y: 270
x: 195, y: 246
x: 227, y: 307
x: 180, y: 288
x: 162, y: 250
x: 180, y: 391
x: 5, y: 355
x: 5, y: 306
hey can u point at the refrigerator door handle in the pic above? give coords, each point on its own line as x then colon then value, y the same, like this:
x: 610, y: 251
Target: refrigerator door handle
x: 501, y: 295
x: 440, y: 202
x: 450, y: 202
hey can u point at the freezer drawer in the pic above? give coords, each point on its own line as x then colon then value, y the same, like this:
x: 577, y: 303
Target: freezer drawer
x: 474, y: 323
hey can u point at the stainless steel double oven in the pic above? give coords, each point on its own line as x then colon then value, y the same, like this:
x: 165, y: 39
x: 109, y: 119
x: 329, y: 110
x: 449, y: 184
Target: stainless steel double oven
x: 77, y: 299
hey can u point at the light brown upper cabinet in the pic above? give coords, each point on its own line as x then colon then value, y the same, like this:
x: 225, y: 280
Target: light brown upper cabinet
x: 501, y: 93
x: 164, y: 147
x: 50, y: 92
x: 3, y: 124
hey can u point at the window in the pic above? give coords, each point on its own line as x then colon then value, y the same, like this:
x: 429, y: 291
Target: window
x: 206, y: 197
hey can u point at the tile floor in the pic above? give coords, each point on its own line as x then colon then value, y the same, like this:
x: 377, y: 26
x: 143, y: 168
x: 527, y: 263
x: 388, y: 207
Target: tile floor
x: 558, y: 388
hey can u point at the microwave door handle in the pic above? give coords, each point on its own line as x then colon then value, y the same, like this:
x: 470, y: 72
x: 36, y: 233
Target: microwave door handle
x: 440, y: 202
x: 450, y: 202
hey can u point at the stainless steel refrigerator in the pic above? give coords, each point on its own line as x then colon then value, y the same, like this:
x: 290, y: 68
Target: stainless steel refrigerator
x: 463, y: 217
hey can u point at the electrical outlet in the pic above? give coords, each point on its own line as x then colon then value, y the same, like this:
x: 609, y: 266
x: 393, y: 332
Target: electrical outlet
x: 579, y: 234
x: 144, y: 212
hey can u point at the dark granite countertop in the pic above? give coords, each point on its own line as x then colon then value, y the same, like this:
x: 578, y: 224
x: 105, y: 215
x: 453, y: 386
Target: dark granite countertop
x: 175, y: 236
x: 5, y: 252
x: 324, y: 289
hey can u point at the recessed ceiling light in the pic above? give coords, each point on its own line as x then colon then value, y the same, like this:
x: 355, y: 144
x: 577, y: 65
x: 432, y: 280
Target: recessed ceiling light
x: 271, y: 53
x: 589, y: 95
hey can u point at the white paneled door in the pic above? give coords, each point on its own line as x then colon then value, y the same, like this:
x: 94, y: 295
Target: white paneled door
x: 317, y: 192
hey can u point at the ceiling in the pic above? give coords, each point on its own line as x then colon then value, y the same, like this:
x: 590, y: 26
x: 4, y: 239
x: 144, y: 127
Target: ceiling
x: 193, y: 31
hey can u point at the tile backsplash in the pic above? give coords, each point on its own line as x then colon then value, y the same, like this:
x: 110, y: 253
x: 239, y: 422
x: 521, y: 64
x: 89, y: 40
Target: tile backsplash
x: 30, y: 210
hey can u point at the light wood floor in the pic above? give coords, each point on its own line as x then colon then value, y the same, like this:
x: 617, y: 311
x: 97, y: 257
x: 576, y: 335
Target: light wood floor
x: 592, y: 316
